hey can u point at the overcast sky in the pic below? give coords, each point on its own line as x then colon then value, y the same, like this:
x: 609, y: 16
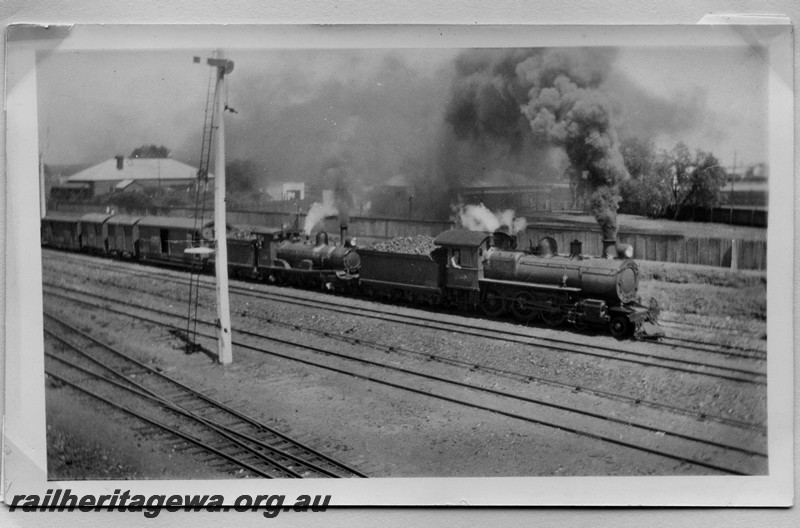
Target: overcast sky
x: 383, y: 111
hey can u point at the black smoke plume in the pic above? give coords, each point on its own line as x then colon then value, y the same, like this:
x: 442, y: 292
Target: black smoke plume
x: 522, y: 102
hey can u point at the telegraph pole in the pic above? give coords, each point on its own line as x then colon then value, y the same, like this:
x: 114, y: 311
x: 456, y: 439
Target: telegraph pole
x: 42, y: 188
x: 224, y: 347
x: 733, y: 183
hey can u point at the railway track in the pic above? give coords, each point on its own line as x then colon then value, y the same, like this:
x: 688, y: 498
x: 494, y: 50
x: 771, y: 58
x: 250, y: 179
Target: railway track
x: 675, y: 323
x: 700, y: 345
x: 720, y: 364
x: 639, y: 430
x: 85, y: 364
x: 467, y: 365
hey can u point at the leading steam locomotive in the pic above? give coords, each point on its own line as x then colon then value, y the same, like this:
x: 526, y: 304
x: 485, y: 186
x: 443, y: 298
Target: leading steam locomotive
x: 468, y: 270
x: 471, y: 269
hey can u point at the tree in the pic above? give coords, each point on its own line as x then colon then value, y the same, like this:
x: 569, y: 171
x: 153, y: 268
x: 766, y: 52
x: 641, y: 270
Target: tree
x: 125, y: 200
x: 643, y: 193
x: 694, y: 181
x: 150, y: 151
x: 663, y: 184
x: 639, y: 156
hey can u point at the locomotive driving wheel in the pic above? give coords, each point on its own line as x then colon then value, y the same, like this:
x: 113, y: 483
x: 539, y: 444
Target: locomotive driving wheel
x: 493, y: 304
x: 620, y: 326
x: 523, y: 307
x: 553, y: 315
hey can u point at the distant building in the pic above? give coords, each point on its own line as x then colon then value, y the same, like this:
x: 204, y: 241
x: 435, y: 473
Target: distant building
x: 392, y: 199
x: 120, y: 174
x: 287, y: 192
x: 524, y: 199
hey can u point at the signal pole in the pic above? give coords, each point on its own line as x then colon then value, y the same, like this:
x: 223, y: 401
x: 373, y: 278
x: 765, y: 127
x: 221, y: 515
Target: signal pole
x: 733, y: 183
x: 224, y: 347
x: 42, y: 189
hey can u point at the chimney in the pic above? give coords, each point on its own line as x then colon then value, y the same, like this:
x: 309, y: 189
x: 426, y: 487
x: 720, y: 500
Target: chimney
x: 575, y: 248
x: 120, y: 160
x: 609, y: 248
x: 343, y: 231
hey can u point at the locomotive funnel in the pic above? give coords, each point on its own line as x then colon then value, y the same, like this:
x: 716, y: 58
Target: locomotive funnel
x: 343, y: 232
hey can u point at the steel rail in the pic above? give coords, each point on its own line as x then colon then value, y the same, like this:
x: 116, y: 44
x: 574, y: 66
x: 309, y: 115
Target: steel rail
x: 223, y: 430
x: 199, y: 396
x: 160, y: 425
x: 472, y: 366
x: 486, y: 408
x: 338, y: 307
x: 613, y: 354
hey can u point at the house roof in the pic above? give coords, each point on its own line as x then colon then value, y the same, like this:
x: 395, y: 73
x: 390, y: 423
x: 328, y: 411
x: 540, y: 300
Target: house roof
x: 134, y: 169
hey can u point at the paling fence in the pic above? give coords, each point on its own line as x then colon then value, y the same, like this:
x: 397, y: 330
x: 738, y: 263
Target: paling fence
x: 710, y: 251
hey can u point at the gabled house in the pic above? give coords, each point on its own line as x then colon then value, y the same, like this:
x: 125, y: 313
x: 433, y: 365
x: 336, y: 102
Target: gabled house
x: 120, y: 174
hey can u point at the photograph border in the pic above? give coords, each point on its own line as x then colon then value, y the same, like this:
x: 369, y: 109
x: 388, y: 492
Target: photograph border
x: 24, y: 442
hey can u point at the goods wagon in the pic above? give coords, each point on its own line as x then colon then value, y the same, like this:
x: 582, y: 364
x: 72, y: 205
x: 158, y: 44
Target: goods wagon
x: 61, y: 230
x: 94, y: 235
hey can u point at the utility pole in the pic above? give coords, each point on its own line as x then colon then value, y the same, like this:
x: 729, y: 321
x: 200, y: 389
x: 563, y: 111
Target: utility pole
x: 224, y: 347
x: 42, y: 188
x: 733, y: 181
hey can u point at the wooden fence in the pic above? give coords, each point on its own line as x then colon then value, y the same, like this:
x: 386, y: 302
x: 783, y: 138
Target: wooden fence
x: 722, y: 252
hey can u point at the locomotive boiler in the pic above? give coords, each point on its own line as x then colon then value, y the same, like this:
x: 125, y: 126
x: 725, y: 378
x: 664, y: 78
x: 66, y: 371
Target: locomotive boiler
x: 319, y: 256
x: 485, y: 269
x: 613, y: 281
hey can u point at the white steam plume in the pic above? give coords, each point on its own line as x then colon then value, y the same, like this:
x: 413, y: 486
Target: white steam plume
x: 480, y: 218
x: 316, y: 213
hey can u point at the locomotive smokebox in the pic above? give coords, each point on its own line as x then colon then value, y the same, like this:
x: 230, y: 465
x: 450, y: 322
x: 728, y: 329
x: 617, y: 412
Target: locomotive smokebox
x: 343, y: 232
x: 575, y: 248
x: 609, y: 248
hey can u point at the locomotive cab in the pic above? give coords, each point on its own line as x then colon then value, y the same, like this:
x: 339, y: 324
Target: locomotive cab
x: 463, y: 265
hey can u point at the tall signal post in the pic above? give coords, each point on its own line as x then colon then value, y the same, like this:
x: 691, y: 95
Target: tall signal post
x: 224, y: 347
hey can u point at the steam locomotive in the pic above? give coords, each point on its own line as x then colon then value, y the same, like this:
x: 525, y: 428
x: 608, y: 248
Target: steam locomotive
x: 485, y: 271
x: 468, y: 270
